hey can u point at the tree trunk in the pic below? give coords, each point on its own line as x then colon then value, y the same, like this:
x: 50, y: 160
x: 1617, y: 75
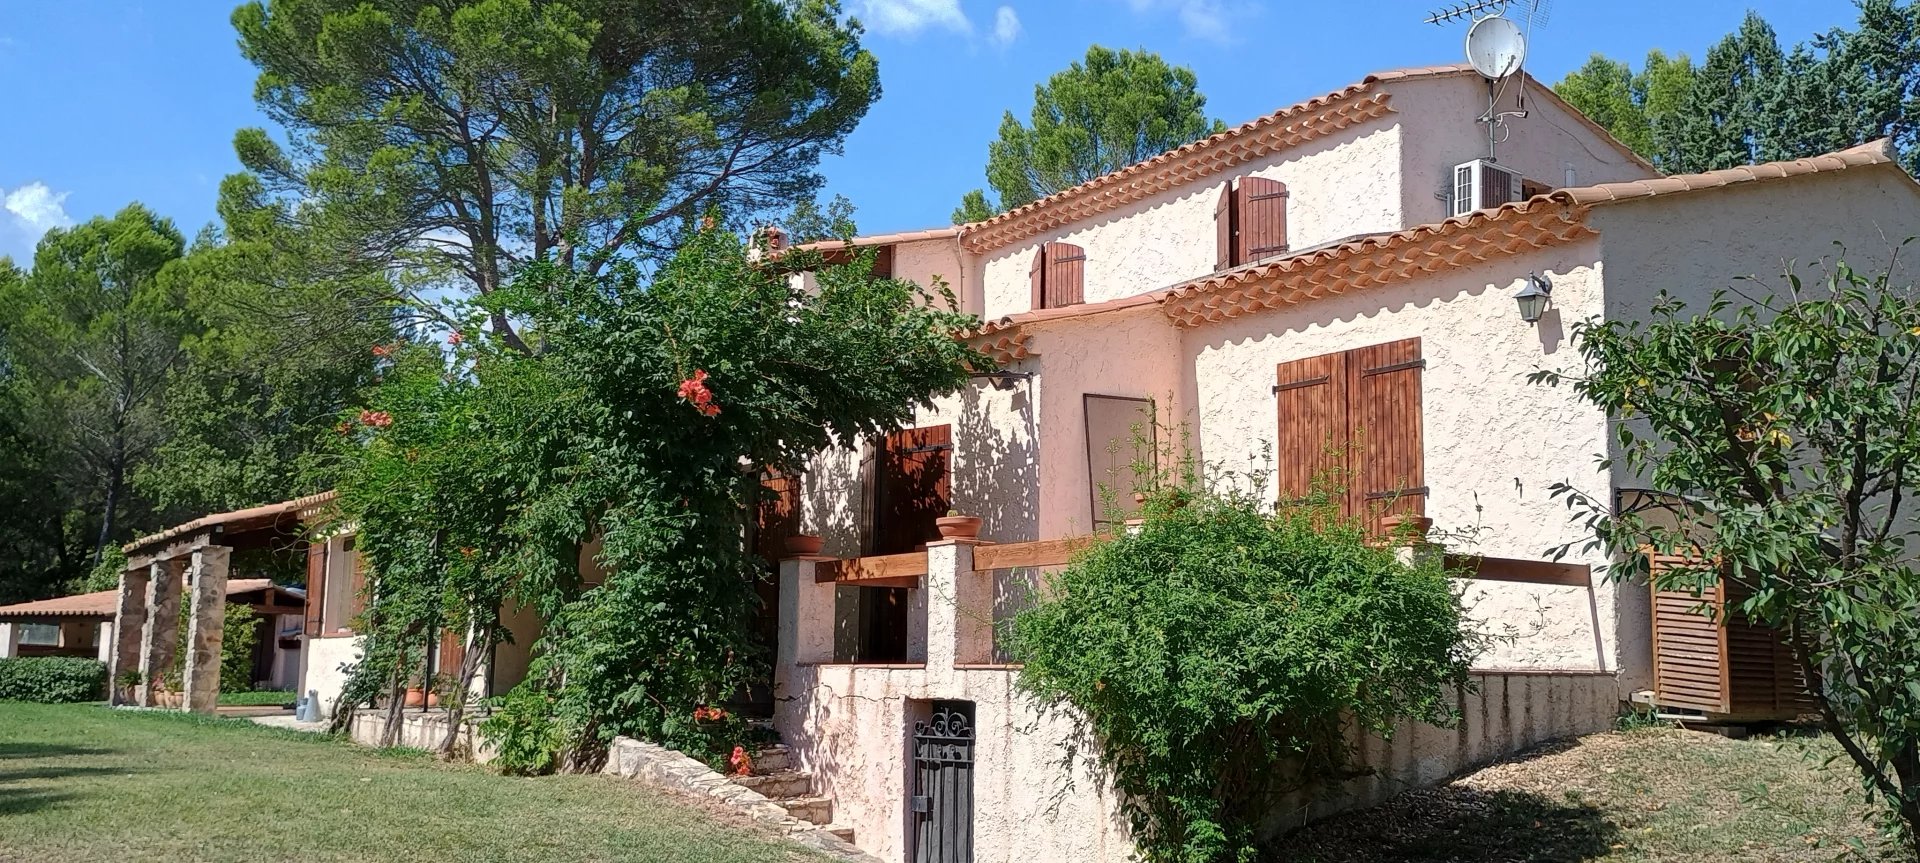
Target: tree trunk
x: 116, y: 473
x: 457, y: 714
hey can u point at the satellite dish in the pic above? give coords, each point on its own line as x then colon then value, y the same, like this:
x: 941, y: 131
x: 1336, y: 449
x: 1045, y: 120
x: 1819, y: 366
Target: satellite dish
x: 1496, y: 47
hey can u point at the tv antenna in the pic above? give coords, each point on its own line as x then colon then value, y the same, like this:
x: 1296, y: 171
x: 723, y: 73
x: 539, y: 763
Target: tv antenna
x: 1497, y: 49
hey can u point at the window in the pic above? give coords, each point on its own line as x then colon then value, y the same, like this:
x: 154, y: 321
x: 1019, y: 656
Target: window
x: 1120, y: 432
x: 1356, y: 413
x: 1058, y: 273
x: 1251, y: 221
x: 40, y: 634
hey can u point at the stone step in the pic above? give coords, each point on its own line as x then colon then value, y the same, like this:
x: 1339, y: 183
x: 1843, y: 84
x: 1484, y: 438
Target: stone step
x: 777, y: 786
x: 773, y: 759
x: 813, y: 810
x: 840, y: 832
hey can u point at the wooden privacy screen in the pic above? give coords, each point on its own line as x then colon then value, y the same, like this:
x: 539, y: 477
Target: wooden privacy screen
x: 1353, y: 418
x: 1112, y: 449
x: 1717, y: 662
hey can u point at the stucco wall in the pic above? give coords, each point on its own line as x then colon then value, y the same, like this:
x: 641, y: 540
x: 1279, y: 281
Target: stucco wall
x: 1542, y: 146
x: 930, y: 262
x: 1335, y: 188
x: 1493, y: 443
x: 323, y: 658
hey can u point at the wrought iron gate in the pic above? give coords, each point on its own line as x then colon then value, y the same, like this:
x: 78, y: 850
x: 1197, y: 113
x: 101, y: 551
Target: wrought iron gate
x: 943, y: 785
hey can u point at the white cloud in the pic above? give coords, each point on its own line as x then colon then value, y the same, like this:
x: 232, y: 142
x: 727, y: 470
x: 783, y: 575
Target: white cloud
x: 37, y: 208
x: 908, y: 17
x: 1202, y: 19
x: 1006, y: 26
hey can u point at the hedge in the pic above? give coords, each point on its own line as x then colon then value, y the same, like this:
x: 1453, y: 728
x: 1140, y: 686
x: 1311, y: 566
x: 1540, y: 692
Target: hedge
x: 52, y: 679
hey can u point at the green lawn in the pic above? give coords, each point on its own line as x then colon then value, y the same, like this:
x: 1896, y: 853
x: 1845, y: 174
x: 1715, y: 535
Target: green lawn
x: 256, y: 699
x: 81, y: 782
x: 1648, y: 795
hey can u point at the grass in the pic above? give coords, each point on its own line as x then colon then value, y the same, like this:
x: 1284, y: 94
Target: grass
x: 84, y: 783
x: 1642, y: 795
x: 258, y: 699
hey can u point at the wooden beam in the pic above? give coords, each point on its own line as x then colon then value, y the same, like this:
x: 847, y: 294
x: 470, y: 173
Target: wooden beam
x: 879, y: 571
x: 1045, y: 552
x: 179, y: 547
x: 1523, y: 571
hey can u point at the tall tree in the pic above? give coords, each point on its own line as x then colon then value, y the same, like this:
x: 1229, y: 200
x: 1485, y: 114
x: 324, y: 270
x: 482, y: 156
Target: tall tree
x: 459, y: 141
x: 1109, y: 111
x: 93, y: 333
x: 1753, y: 101
x: 286, y: 340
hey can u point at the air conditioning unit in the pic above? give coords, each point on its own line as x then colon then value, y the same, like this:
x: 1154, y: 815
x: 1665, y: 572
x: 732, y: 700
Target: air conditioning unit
x: 1480, y: 184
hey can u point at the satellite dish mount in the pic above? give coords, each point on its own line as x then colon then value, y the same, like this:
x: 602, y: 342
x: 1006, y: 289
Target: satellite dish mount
x: 1496, y: 48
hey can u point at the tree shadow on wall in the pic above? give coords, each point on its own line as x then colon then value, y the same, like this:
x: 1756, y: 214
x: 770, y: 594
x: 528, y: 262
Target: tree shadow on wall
x: 1455, y: 824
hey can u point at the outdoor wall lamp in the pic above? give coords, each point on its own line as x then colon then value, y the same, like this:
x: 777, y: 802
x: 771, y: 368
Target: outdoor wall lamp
x: 1534, y: 297
x: 1002, y: 380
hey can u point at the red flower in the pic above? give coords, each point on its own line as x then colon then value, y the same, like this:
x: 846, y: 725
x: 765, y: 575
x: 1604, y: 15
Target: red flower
x: 694, y: 390
x: 455, y: 338
x: 740, y: 761
x: 382, y: 351
x: 376, y: 419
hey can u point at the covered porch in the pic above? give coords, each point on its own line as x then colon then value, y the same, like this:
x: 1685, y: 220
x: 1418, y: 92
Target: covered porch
x: 183, y: 576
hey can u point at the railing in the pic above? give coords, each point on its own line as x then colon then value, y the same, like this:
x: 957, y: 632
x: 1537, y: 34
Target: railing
x: 905, y: 570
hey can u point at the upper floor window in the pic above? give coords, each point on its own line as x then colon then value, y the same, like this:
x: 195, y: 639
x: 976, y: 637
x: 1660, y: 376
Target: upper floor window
x: 1058, y: 275
x: 1251, y: 219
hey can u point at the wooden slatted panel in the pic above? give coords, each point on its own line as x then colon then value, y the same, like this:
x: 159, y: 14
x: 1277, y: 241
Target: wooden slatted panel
x: 452, y: 653
x: 357, y: 602
x: 1312, y: 407
x: 1689, y: 659
x: 1389, y: 460
x: 1260, y: 229
x: 1065, y: 276
x: 316, y: 584
x: 1037, y: 278
x: 1223, y: 226
x: 1762, y: 676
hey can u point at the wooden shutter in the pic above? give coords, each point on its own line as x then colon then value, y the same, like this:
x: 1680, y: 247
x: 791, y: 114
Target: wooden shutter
x: 1384, y: 426
x: 912, y: 488
x: 357, y: 602
x: 777, y: 516
x: 1037, y: 277
x: 453, y: 652
x: 316, y: 583
x: 1066, y: 271
x: 1260, y: 230
x: 1223, y: 227
x: 1312, y: 396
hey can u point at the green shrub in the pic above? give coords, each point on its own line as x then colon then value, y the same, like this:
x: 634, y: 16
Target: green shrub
x: 52, y: 679
x: 1222, y: 655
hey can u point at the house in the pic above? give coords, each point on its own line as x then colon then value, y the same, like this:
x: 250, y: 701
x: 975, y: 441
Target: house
x: 1343, y: 270
x: 83, y: 625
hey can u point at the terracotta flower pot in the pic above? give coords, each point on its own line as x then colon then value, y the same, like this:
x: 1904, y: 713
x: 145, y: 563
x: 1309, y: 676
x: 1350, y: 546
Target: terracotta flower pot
x: 416, y: 697
x: 958, y: 526
x: 803, y: 545
x: 433, y: 699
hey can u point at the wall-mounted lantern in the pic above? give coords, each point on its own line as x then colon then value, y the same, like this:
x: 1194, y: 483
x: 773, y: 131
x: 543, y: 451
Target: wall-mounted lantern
x: 1534, y: 297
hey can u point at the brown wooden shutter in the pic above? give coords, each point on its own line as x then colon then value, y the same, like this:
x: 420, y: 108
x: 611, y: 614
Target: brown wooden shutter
x: 1066, y: 271
x: 1384, y: 425
x: 357, y: 603
x: 1260, y: 219
x: 1312, y: 396
x: 912, y: 488
x: 316, y: 583
x: 1223, y: 227
x: 777, y: 516
x: 1037, y: 276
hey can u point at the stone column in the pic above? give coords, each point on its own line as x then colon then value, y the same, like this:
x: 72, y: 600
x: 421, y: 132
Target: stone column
x: 806, y: 618
x: 160, y: 634
x: 129, y: 621
x: 959, y: 607
x: 9, y: 640
x: 206, y: 625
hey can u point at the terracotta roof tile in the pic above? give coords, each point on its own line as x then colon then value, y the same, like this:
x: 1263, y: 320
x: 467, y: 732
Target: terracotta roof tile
x: 1878, y: 152
x: 105, y: 602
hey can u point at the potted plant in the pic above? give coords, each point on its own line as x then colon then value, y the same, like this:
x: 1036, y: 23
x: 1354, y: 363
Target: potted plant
x: 126, y: 683
x: 804, y: 545
x: 445, y: 690
x: 953, y: 525
x: 416, y: 696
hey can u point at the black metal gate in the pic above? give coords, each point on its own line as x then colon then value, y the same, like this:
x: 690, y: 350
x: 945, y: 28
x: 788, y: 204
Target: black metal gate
x: 943, y: 785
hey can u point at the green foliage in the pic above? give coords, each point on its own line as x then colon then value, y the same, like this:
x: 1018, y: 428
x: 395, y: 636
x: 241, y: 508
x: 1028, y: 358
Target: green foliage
x: 90, y: 336
x: 1222, y: 654
x: 1781, y: 430
x: 106, y: 575
x: 1094, y: 117
x: 464, y: 140
x: 1752, y: 101
x: 238, y: 631
x: 52, y: 679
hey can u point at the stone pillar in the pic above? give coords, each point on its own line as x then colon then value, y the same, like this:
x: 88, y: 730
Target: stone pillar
x: 160, y: 635
x: 206, y: 625
x: 104, y: 643
x: 959, y: 606
x: 129, y: 622
x: 806, y: 618
x: 9, y: 640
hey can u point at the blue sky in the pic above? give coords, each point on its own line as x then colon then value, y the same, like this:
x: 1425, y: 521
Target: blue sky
x: 111, y: 102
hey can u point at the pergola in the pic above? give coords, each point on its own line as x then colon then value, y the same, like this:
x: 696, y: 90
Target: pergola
x: 190, y: 563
